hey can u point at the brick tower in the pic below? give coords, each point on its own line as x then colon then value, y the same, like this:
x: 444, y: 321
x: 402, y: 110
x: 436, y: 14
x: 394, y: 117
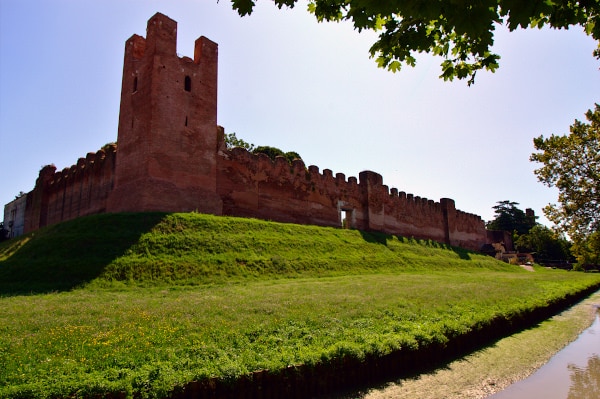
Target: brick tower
x: 167, y: 140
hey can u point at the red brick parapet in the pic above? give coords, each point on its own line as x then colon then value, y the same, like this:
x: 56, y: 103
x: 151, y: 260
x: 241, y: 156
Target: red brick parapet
x: 172, y: 157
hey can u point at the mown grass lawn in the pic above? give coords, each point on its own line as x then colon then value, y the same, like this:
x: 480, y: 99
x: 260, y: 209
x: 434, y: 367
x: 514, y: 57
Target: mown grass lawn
x: 149, y: 335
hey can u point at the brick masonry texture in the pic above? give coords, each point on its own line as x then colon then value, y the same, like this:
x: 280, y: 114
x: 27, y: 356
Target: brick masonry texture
x: 171, y: 156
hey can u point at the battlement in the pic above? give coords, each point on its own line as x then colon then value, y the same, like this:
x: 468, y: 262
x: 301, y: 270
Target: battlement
x: 254, y: 185
x: 93, y: 162
x: 79, y: 190
x: 167, y: 124
x: 161, y: 34
x: 171, y: 156
x: 136, y: 47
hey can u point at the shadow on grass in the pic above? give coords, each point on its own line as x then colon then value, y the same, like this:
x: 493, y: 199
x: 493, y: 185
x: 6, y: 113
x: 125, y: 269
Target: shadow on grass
x: 374, y: 237
x: 382, y: 238
x: 461, y: 252
x: 67, y: 255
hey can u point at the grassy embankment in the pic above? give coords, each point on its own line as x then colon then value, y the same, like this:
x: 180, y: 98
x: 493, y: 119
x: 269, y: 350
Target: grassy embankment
x: 143, y: 304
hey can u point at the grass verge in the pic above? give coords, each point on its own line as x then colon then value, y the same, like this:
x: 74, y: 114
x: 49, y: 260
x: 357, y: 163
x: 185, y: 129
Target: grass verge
x: 497, y: 366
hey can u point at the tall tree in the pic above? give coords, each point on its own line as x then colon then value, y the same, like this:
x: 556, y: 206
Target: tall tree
x: 459, y: 31
x: 510, y: 218
x: 572, y: 164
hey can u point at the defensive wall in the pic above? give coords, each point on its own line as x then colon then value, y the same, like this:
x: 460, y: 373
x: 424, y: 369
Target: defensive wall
x: 79, y: 190
x: 253, y: 185
x: 171, y: 156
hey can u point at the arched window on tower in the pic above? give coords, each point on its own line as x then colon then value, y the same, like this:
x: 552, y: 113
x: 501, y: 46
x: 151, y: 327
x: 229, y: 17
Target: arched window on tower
x: 187, y: 85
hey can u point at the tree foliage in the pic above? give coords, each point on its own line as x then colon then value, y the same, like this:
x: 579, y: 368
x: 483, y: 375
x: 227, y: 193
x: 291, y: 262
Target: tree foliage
x: 588, y: 249
x: 571, y: 163
x: 546, y: 245
x: 231, y: 141
x: 273, y: 152
x: 461, y: 32
x: 510, y: 218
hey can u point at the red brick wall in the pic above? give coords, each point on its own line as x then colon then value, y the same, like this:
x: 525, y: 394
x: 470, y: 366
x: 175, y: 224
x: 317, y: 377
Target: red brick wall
x: 254, y: 186
x: 251, y: 185
x: 172, y: 157
x: 36, y: 208
x: 167, y: 125
x: 80, y: 190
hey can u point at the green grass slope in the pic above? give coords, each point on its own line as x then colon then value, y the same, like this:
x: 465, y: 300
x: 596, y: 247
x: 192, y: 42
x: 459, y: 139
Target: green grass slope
x: 148, y: 305
x: 156, y: 248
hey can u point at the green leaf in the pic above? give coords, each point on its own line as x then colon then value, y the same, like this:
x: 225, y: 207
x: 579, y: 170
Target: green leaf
x: 394, y: 66
x: 243, y: 7
x: 459, y: 31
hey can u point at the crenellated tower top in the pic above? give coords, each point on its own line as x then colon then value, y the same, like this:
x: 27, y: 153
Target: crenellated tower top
x: 161, y: 35
x: 167, y: 124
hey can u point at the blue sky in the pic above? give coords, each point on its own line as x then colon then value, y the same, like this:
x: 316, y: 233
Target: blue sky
x: 290, y: 82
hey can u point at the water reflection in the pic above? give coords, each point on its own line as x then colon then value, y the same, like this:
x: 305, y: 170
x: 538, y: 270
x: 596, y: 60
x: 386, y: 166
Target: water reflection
x: 585, y: 382
x: 573, y: 373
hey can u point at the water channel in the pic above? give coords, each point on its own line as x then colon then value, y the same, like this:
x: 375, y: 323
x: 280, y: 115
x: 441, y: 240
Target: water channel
x: 573, y: 373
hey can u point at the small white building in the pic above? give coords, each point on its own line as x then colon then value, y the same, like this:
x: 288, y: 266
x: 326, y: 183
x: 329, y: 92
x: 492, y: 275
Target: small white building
x: 14, y: 216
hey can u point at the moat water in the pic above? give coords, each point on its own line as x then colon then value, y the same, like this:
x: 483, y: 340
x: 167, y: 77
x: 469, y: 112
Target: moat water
x: 573, y: 373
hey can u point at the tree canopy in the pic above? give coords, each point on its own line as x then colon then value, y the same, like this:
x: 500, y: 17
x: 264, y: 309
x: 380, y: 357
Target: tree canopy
x: 571, y: 163
x: 546, y: 246
x: 231, y: 140
x: 459, y: 31
x: 273, y: 152
x: 510, y: 218
x: 588, y: 250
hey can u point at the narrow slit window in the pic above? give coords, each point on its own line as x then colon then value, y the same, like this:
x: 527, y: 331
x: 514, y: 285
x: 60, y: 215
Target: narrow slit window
x: 187, y: 84
x: 135, y: 82
x: 186, y: 121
